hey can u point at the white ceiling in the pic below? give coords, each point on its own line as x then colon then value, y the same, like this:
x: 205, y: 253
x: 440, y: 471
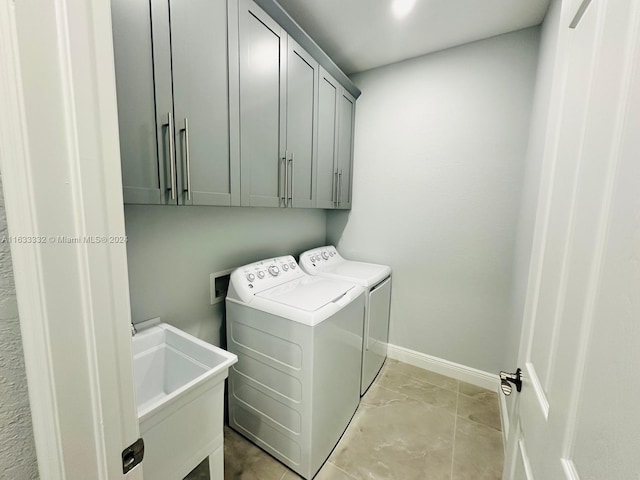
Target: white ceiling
x: 363, y: 34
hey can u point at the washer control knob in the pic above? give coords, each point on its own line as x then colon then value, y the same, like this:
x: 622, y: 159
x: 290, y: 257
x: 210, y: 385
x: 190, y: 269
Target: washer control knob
x: 251, y: 277
x: 293, y: 265
x: 285, y: 267
x: 274, y: 270
x: 331, y: 253
x: 261, y: 274
x: 325, y: 255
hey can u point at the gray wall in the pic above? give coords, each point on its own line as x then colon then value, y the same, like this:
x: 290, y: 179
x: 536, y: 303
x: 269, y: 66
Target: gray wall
x: 172, y: 250
x: 17, y: 449
x: 440, y: 148
x: 531, y: 184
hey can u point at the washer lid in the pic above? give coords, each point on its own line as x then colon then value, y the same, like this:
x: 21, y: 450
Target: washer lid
x: 308, y: 293
x: 366, y: 274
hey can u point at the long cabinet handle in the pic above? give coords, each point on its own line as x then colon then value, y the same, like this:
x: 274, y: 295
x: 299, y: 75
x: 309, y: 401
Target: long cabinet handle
x: 290, y: 172
x: 282, y: 179
x: 172, y: 160
x: 187, y: 157
x: 286, y: 178
x: 335, y: 188
x: 340, y: 187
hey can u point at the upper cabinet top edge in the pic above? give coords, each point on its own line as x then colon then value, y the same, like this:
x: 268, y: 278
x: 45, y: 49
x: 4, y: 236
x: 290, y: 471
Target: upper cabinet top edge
x: 275, y: 10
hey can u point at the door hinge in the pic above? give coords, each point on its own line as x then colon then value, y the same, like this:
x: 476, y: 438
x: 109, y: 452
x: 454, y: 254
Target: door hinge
x: 132, y: 455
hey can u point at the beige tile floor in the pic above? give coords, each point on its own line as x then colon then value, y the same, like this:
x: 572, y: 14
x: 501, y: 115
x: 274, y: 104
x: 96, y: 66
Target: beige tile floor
x: 411, y: 424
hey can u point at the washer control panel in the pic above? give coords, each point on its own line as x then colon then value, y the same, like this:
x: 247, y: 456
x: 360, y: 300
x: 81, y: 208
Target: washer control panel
x: 256, y: 277
x: 320, y: 258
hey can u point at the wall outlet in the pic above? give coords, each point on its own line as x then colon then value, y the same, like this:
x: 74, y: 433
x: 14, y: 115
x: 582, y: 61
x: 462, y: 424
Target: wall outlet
x: 219, y: 284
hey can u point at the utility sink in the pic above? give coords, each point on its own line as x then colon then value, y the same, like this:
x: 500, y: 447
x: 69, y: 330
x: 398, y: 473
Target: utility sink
x: 179, y: 383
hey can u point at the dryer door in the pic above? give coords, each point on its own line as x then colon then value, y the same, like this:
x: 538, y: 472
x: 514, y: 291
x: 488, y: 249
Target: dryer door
x: 376, y: 332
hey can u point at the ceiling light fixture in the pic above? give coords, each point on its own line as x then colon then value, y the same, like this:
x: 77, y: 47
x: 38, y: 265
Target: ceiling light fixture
x: 401, y: 8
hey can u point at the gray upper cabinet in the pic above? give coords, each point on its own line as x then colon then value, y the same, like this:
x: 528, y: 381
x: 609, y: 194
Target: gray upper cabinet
x: 142, y: 161
x: 262, y: 56
x: 346, y: 124
x: 173, y: 102
x: 326, y: 173
x: 218, y: 105
x: 335, y: 144
x: 302, y: 107
x: 278, y: 114
x: 201, y: 102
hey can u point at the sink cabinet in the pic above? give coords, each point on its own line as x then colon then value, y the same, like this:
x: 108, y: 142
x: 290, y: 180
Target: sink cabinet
x: 173, y: 102
x: 179, y: 384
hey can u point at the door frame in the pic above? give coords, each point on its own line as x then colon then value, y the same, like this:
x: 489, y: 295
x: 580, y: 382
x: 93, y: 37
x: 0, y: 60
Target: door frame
x: 59, y: 158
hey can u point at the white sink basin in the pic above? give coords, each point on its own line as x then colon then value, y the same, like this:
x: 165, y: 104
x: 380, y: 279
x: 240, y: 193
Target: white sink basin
x: 179, y: 382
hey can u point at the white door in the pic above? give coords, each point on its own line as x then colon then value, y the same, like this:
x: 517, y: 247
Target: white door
x: 63, y: 196
x: 577, y: 416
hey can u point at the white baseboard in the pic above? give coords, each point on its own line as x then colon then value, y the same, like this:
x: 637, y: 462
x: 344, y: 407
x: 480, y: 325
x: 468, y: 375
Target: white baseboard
x: 490, y: 381
x: 471, y: 375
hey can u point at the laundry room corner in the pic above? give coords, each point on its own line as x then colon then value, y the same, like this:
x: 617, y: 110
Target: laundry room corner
x: 440, y: 149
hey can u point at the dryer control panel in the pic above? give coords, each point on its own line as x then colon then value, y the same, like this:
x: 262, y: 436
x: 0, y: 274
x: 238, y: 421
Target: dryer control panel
x: 319, y: 258
x: 257, y: 277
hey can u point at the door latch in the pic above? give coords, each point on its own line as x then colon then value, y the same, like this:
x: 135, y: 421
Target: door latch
x: 515, y: 378
x: 132, y: 455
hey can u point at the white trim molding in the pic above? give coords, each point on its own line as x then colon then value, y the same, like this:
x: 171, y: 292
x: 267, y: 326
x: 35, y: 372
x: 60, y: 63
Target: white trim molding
x: 490, y: 381
x: 14, y: 158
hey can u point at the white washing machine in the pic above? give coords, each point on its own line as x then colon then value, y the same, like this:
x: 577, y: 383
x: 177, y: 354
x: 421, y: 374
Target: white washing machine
x: 326, y: 262
x: 298, y: 339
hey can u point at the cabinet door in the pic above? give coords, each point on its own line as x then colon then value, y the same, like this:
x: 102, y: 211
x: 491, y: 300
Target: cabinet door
x: 262, y: 107
x: 302, y: 106
x: 199, y: 55
x: 346, y: 122
x: 326, y: 171
x: 144, y: 142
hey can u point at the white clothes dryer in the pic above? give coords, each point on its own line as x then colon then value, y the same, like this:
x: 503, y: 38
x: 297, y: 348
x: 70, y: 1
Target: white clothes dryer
x: 298, y: 340
x: 326, y: 262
